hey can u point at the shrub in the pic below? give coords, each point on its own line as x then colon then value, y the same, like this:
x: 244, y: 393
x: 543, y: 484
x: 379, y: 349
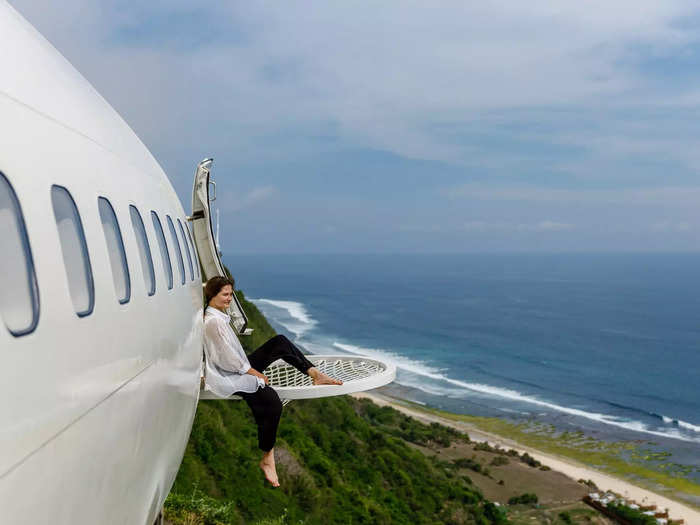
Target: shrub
x: 499, y: 460
x: 565, y: 517
x: 484, y: 446
x: 524, y: 499
x: 529, y: 460
x: 631, y: 516
x: 469, y: 463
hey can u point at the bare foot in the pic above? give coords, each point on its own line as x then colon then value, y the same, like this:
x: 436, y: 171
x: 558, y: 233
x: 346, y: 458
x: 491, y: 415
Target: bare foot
x: 319, y: 378
x: 267, y: 464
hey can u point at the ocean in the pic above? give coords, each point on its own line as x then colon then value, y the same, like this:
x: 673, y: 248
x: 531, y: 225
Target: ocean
x: 604, y: 343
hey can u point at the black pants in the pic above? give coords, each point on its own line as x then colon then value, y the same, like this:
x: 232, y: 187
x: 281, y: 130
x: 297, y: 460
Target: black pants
x: 265, y: 403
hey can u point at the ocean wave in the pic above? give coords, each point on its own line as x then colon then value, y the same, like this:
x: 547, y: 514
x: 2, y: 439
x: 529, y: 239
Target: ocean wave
x: 405, y: 363
x: 420, y: 368
x: 300, y: 321
x: 677, y: 423
x: 689, y: 426
x: 681, y: 424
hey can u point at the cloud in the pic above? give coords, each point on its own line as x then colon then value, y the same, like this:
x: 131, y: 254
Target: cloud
x: 388, y: 76
x: 664, y: 195
x: 668, y: 226
x: 582, y: 113
x: 493, y: 227
x: 481, y: 226
x: 546, y: 226
x: 251, y: 199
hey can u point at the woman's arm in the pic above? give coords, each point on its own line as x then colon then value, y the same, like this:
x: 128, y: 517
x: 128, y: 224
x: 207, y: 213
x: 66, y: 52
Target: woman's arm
x: 254, y: 372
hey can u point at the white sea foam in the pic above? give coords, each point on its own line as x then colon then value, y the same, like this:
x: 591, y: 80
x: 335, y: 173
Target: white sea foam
x: 688, y: 426
x: 420, y: 368
x: 405, y: 363
x: 300, y: 321
x: 681, y: 424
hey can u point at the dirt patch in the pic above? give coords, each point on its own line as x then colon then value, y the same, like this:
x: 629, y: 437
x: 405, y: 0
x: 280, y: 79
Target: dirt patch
x: 551, y: 487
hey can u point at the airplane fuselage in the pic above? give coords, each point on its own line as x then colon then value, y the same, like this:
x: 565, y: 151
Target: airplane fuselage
x: 99, y: 391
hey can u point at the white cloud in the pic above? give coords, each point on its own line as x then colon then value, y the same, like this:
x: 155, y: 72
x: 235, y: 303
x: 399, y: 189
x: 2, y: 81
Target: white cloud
x: 669, y: 195
x: 502, y: 90
x: 669, y: 226
x: 256, y: 196
x: 546, y: 226
x: 493, y: 227
x: 481, y: 226
x: 386, y: 75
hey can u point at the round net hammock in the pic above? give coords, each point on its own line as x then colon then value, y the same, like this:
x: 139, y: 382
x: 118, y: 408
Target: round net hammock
x: 357, y: 373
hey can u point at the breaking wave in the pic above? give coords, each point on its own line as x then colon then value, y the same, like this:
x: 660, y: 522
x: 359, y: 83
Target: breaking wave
x: 426, y: 371
x: 298, y: 321
x: 293, y: 316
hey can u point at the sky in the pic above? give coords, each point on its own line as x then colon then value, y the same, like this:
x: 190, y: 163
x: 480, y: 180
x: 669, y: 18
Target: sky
x: 426, y: 127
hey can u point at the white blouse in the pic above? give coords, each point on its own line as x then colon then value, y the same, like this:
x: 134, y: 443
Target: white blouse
x: 226, y: 362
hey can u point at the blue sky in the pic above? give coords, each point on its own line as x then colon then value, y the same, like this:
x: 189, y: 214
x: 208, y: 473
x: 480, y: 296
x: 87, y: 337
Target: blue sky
x: 411, y: 126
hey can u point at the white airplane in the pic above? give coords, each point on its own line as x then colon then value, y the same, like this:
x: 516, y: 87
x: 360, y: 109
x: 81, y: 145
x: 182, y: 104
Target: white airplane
x: 100, y: 301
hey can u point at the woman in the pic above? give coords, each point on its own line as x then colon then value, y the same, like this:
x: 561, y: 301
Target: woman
x: 229, y: 371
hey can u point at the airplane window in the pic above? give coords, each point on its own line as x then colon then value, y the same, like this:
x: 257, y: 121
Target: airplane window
x: 115, y: 248
x: 194, y: 251
x: 178, y: 252
x: 187, y: 250
x: 149, y: 276
x: 74, y: 248
x: 163, y: 249
x: 19, y: 300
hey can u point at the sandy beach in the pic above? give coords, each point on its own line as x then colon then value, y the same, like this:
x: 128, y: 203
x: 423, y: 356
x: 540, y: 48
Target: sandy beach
x: 564, y: 465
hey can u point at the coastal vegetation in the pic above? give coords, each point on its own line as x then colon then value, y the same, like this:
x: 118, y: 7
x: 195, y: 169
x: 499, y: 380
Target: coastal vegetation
x: 524, y: 499
x: 628, y: 460
x: 341, y: 460
x: 631, y: 516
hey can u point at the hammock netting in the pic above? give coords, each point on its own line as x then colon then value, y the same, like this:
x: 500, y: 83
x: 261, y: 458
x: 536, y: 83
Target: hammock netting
x: 357, y: 373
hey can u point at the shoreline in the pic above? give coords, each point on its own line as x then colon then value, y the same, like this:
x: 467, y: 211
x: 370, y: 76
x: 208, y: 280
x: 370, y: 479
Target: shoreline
x: 566, y: 466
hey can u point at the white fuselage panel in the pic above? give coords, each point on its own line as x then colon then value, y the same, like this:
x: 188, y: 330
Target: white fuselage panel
x: 95, y: 411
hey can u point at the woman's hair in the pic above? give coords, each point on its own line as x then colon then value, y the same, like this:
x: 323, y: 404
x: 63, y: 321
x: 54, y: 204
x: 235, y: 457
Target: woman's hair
x: 214, y: 286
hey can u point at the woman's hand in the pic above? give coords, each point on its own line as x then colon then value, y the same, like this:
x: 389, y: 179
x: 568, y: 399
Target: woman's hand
x: 255, y: 373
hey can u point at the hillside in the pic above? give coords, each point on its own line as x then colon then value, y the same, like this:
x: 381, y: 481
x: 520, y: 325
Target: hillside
x: 341, y: 460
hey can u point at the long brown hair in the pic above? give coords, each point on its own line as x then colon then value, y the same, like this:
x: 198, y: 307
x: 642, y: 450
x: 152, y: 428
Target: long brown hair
x: 214, y: 286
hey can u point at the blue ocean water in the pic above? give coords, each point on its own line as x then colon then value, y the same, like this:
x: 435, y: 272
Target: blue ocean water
x: 609, y: 343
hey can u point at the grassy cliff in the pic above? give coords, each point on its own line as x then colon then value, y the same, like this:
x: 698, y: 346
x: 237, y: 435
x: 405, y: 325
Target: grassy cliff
x: 340, y: 460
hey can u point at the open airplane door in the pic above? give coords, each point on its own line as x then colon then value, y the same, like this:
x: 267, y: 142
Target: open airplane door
x: 209, y: 255
x: 358, y: 373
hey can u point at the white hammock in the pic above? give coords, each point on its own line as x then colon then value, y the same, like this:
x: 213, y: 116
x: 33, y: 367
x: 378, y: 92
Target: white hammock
x: 357, y: 373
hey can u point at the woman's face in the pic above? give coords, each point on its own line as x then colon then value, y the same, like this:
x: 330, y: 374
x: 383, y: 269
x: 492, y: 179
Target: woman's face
x: 223, y: 299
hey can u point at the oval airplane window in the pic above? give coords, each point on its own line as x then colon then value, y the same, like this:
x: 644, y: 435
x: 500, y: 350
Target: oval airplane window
x: 165, y: 256
x: 149, y: 276
x: 76, y: 260
x: 187, y: 249
x: 115, y: 248
x: 195, y: 260
x: 19, y: 300
x: 178, y: 251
